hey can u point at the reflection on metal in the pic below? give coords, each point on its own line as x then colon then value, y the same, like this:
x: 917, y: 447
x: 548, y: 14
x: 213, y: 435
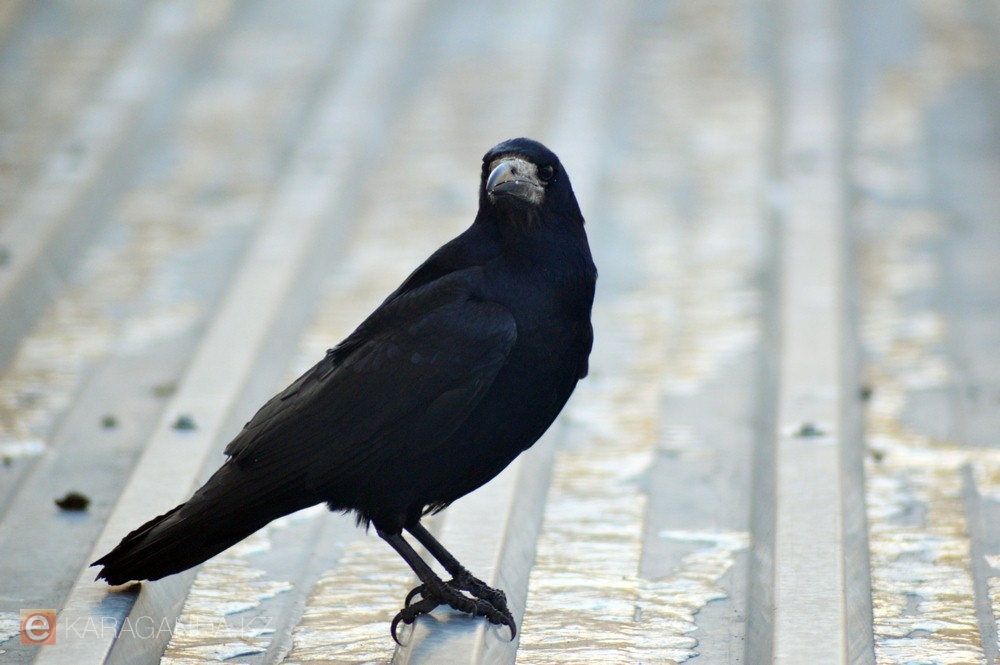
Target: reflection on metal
x: 716, y: 307
x: 161, y: 223
x: 922, y: 582
x: 586, y: 599
x: 82, y: 325
x: 347, y: 616
x: 10, y: 626
x: 688, y: 208
x: 580, y: 605
x: 44, y: 373
x: 993, y: 561
x: 922, y: 585
x: 225, y: 586
x: 679, y: 305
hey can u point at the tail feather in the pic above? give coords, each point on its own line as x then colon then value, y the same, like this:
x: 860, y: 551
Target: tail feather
x: 227, y: 509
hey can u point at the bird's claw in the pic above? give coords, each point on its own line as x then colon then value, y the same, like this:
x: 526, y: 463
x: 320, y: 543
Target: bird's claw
x: 410, y: 613
x: 414, y: 592
x: 506, y: 619
x: 488, y: 603
x: 395, y: 624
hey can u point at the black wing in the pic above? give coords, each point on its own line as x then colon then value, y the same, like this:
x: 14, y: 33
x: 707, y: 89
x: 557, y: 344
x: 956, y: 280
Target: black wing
x: 408, y: 376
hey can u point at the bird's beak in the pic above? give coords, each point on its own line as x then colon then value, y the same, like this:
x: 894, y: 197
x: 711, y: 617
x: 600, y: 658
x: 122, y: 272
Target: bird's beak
x: 516, y: 178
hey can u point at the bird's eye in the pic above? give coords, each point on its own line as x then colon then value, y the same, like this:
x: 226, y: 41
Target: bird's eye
x: 546, y: 173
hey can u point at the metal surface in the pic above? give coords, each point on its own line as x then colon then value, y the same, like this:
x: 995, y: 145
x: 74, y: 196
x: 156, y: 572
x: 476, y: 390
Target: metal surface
x: 808, y: 202
x: 786, y: 450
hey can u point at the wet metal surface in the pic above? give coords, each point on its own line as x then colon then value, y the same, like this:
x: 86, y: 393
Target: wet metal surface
x: 788, y: 441
x: 926, y: 545
x: 922, y: 579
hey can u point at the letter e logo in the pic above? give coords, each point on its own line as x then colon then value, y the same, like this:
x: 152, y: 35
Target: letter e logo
x: 38, y: 627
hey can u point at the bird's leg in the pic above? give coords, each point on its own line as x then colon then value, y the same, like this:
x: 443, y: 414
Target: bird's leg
x: 436, y: 592
x: 461, y: 577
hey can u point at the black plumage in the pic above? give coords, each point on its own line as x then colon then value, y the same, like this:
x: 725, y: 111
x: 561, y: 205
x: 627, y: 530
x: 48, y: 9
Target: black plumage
x: 458, y: 371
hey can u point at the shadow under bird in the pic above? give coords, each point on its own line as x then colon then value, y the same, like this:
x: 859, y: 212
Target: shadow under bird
x: 458, y: 371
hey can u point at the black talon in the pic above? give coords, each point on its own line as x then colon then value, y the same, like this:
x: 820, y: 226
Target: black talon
x: 410, y: 613
x: 414, y: 592
x: 392, y: 628
x: 508, y: 620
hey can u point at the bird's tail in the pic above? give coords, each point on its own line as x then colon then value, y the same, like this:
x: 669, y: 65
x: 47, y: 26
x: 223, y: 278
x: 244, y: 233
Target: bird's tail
x: 227, y: 509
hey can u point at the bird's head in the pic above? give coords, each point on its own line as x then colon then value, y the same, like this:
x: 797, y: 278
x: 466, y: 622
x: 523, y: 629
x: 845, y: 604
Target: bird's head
x: 522, y: 179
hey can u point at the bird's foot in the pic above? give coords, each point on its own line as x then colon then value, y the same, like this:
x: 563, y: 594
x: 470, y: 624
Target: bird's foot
x: 485, y: 602
x: 465, y: 581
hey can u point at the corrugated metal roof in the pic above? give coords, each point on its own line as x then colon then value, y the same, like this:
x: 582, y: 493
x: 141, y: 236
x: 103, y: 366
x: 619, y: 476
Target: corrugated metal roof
x: 786, y: 450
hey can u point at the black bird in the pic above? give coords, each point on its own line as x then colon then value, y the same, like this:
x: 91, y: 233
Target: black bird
x: 458, y: 371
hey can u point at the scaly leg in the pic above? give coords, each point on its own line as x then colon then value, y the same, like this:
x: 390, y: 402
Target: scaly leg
x: 461, y: 578
x: 436, y: 592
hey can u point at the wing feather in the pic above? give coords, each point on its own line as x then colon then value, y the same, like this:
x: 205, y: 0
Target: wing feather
x: 407, y: 377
